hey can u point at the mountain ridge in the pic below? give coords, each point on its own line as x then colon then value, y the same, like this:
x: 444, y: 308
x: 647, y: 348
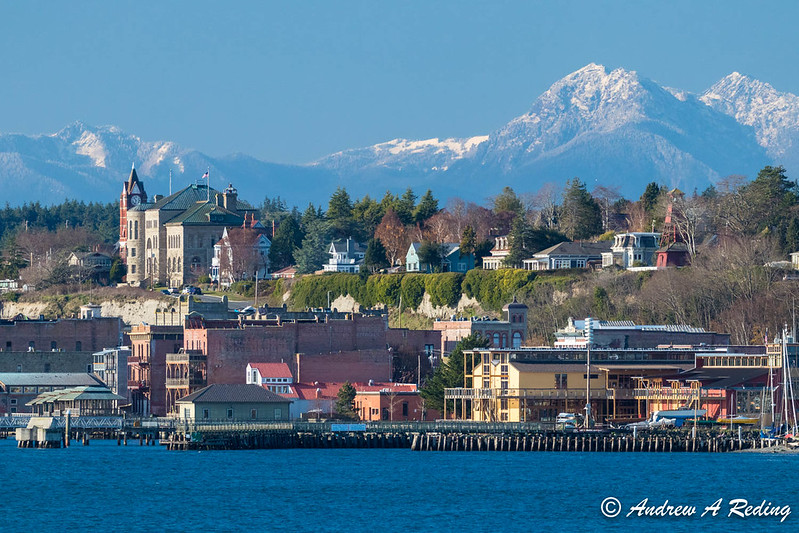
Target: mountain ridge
x: 609, y: 127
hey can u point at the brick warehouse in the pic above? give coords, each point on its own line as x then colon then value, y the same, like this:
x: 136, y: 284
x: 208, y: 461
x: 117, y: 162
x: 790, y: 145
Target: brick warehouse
x: 357, y: 342
x: 62, y: 345
x: 327, y: 346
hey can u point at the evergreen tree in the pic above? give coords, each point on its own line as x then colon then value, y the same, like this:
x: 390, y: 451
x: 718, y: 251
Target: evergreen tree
x: 367, y: 214
x: 526, y: 239
x: 468, y: 240
x: 313, y: 253
x: 428, y: 206
x: 345, y: 402
x: 581, y: 216
x: 508, y: 202
x: 650, y: 197
x: 450, y: 374
x: 339, y: 214
x: 118, y: 270
x: 375, y: 256
x: 405, y: 206
x: 768, y: 199
x: 288, y: 237
x: 792, y: 236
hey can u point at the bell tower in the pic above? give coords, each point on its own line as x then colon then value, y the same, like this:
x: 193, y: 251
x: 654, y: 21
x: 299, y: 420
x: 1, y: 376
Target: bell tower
x: 132, y: 195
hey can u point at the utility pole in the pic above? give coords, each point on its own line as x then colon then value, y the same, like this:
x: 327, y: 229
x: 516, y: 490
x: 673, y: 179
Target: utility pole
x: 256, y: 292
x: 589, y: 339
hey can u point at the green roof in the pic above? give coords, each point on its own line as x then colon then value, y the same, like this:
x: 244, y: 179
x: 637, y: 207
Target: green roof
x: 206, y: 214
x: 189, y: 196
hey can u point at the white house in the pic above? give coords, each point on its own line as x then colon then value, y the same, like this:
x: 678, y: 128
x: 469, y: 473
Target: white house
x: 499, y: 252
x: 273, y: 376
x: 346, y: 255
x: 632, y: 249
x: 247, y: 252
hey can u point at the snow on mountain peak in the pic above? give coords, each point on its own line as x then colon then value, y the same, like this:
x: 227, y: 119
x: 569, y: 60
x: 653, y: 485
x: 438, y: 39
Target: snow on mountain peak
x: 774, y: 115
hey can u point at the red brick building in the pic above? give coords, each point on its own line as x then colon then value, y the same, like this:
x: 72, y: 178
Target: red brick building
x: 147, y: 366
x: 508, y: 333
x: 391, y: 401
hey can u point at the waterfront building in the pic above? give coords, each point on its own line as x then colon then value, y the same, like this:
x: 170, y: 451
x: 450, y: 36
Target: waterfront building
x: 147, y: 366
x: 275, y: 377
x: 233, y: 403
x: 390, y: 401
x: 627, y: 334
x: 18, y: 388
x: 508, y: 333
x: 111, y: 366
x: 77, y: 401
x: 535, y: 384
x: 61, y: 345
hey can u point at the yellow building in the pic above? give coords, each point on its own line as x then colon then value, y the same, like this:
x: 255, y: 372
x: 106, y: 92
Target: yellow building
x: 515, y: 386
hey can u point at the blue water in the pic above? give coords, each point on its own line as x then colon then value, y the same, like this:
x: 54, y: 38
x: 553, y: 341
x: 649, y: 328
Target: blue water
x: 104, y: 487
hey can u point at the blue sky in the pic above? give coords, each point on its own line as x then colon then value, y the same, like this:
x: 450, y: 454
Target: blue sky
x: 293, y: 81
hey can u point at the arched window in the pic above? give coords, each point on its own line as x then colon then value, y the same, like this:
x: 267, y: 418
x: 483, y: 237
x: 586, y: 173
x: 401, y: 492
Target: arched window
x: 496, y: 340
x: 517, y: 340
x: 255, y: 377
x: 149, y: 244
x: 136, y: 229
x: 195, y: 263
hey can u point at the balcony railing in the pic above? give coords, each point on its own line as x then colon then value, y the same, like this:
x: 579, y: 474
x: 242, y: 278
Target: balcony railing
x: 184, y: 383
x: 138, y: 384
x: 185, y: 358
x: 680, y: 394
x: 530, y: 394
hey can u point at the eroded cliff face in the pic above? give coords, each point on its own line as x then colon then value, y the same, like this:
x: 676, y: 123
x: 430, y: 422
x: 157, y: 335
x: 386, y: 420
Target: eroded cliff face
x: 131, y: 311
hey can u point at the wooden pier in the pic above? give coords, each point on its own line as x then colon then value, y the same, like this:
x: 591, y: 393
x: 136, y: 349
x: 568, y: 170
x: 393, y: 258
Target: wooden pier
x: 452, y: 436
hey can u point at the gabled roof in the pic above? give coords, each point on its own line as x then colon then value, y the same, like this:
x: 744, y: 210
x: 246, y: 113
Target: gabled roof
x: 346, y: 246
x: 272, y: 370
x: 576, y: 248
x: 238, y: 393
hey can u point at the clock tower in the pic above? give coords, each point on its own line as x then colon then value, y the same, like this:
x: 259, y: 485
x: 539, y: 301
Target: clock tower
x: 133, y: 194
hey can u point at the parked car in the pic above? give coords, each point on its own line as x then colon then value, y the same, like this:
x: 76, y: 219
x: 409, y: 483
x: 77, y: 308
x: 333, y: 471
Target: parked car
x: 189, y: 289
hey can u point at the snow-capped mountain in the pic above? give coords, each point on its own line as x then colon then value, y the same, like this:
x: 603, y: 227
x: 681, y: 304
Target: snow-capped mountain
x: 91, y: 163
x: 773, y: 115
x: 613, y: 128
x: 608, y: 127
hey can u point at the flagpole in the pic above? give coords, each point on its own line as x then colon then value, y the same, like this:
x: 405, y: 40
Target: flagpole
x: 208, y: 184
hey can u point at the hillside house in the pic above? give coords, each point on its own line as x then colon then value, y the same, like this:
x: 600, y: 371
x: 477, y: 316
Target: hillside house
x: 452, y: 259
x: 499, y: 252
x: 346, y: 255
x: 568, y: 255
x: 634, y: 249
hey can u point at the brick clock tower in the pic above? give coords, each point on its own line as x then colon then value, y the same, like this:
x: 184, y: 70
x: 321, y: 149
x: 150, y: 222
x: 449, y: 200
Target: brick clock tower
x: 133, y: 194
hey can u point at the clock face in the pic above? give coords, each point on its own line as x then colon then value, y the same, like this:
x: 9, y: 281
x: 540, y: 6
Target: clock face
x: 134, y: 200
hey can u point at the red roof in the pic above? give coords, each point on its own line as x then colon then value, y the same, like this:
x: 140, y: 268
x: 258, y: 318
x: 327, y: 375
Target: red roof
x: 328, y: 391
x: 272, y: 370
x: 317, y: 391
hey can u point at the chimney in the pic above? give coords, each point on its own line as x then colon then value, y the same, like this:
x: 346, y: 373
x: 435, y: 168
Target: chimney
x: 229, y: 197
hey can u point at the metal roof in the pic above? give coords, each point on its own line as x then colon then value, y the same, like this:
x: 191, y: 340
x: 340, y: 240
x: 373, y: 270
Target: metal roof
x: 204, y: 214
x: 238, y: 393
x: 76, y: 394
x: 60, y: 379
